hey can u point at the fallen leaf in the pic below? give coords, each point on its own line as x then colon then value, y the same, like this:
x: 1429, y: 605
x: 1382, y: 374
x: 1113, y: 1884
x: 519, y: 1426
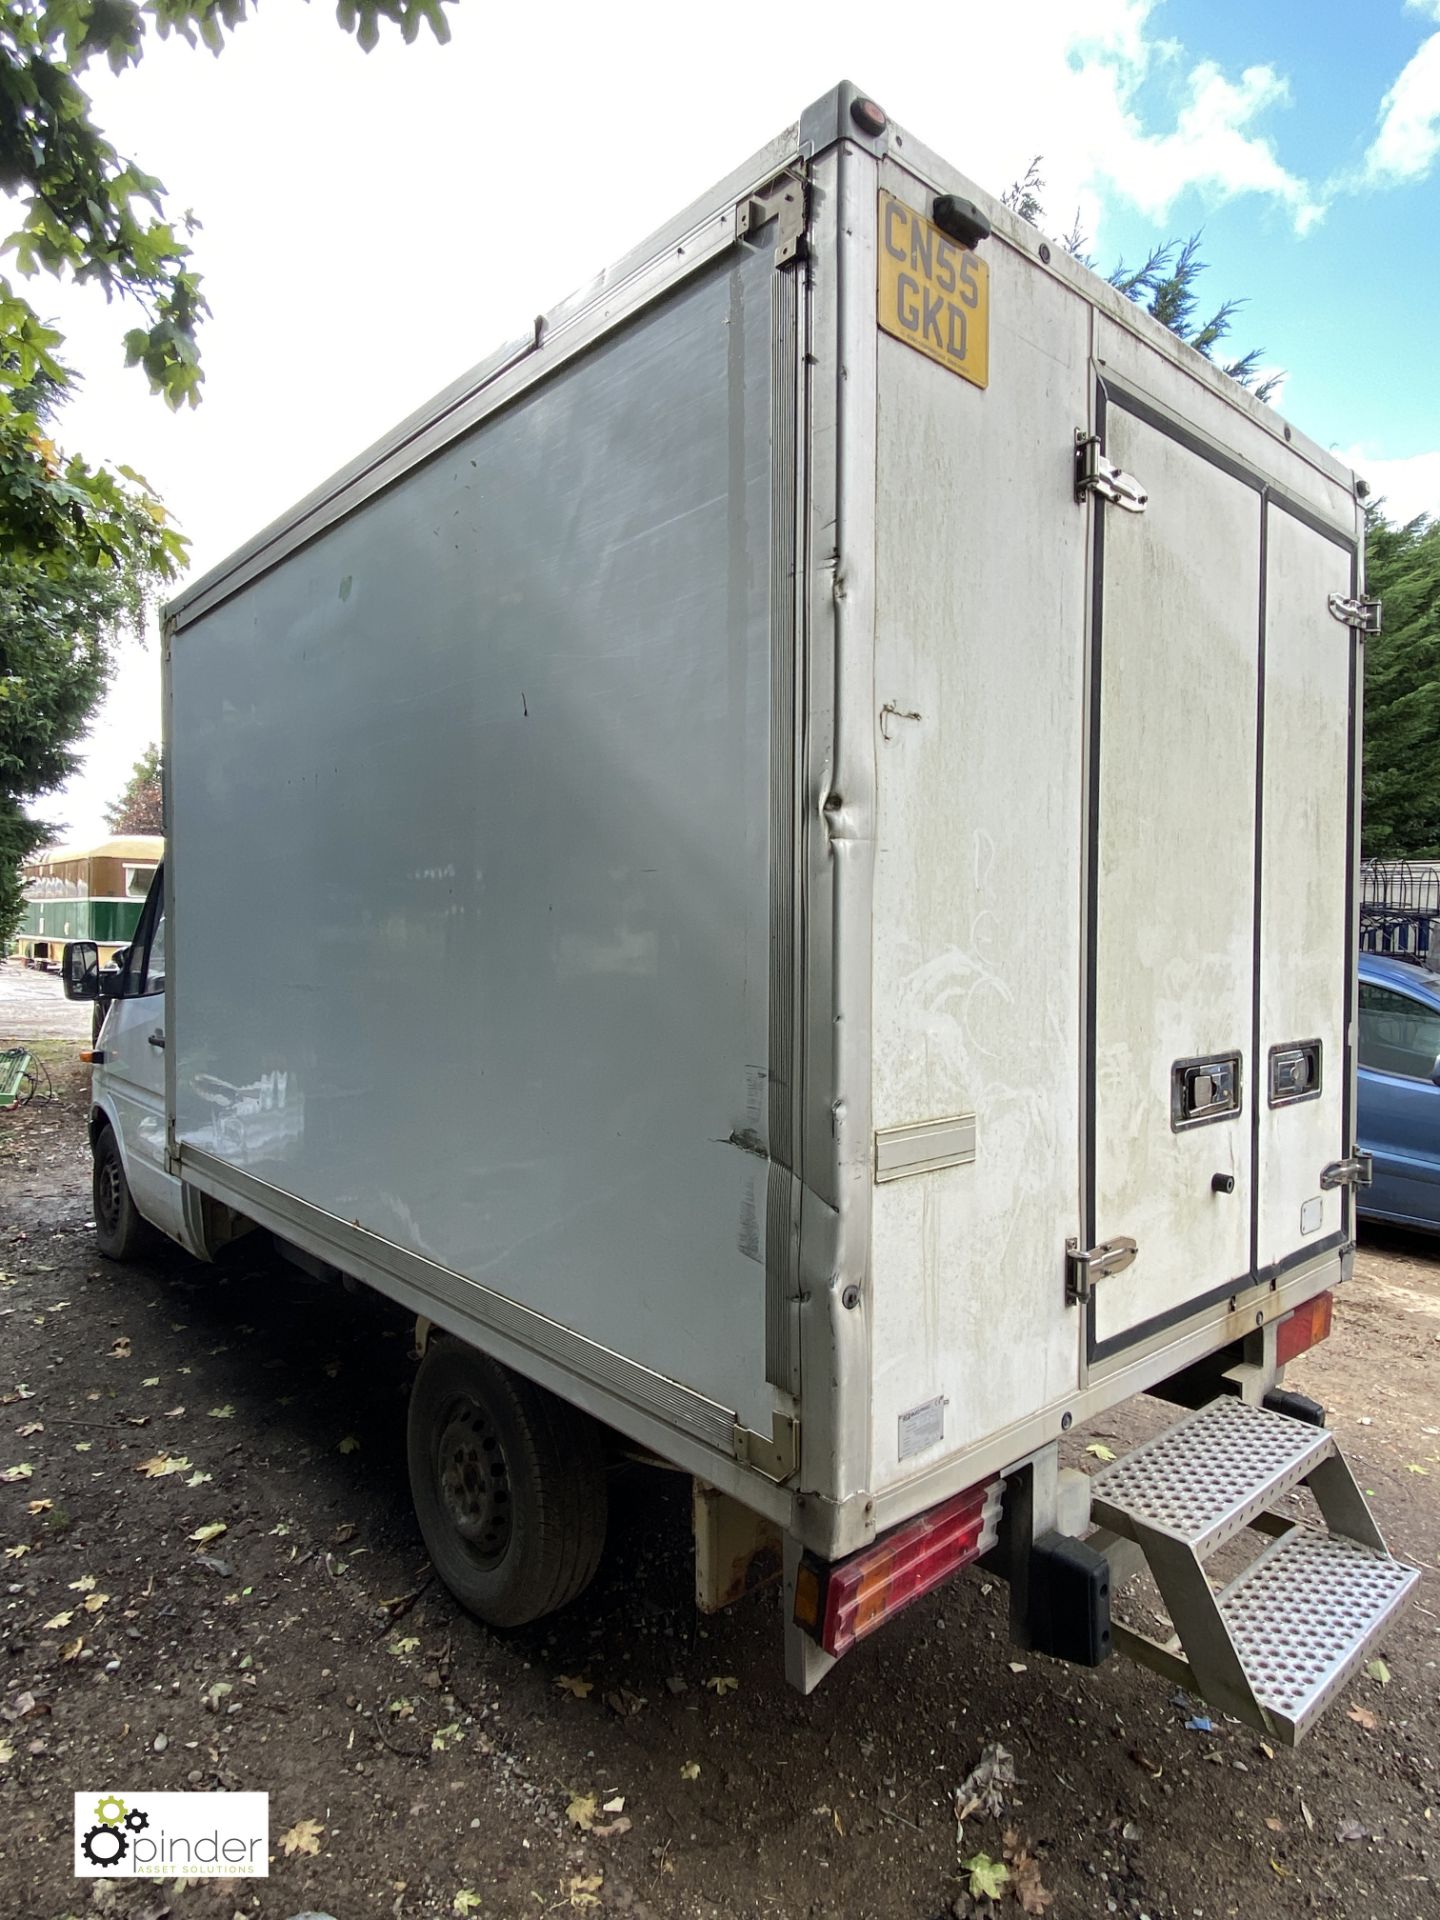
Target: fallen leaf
x: 83, y: 1446
x: 85, y: 1584
x: 1282, y: 1873
x: 1351, y: 1830
x: 121, y: 1348
x: 345, y: 1531
x: 1411, y: 1466
x: 1378, y: 1670
x: 444, y: 1737
x: 623, y: 1703
x: 71, y: 1650
x: 159, y: 1464
x: 30, y: 1426
x: 466, y: 1902
x: 212, y: 1530
x: 1018, y: 1666
x: 173, y: 1413
x: 1307, y: 1817
x: 303, y: 1837
x: 17, y: 1552
x: 722, y: 1683
x: 401, y: 1709
x: 1029, y: 1889
x: 60, y: 1620
x: 1363, y: 1717
x: 399, y: 1647
x: 226, y: 1412
x: 581, y: 1811
x: 1275, y: 1826
x: 988, y: 1878
x: 153, y: 1381
x: 1100, y: 1450
x: 95, y: 1601
x: 622, y: 1825
x: 690, y: 1770
x: 568, y: 1683
x: 198, y: 1479
x: 616, y: 1805
x: 349, y: 1444
x: 584, y: 1889
x: 7, y: 1752
x: 39, y: 1506
x: 137, y: 1419
x: 25, y: 1471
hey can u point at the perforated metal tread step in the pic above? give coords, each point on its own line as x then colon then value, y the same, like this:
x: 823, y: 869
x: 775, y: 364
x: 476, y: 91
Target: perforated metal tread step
x: 1304, y: 1615
x: 1207, y: 1477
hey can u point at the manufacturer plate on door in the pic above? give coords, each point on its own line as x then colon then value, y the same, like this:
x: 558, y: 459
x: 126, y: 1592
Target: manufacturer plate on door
x: 933, y: 293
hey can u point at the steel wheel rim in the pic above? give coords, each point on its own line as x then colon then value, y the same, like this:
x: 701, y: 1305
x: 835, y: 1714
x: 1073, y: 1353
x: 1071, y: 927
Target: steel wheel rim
x: 474, y: 1482
x: 107, y: 1193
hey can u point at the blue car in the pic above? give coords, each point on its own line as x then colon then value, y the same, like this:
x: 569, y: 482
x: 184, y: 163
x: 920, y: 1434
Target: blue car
x: 1399, y: 1090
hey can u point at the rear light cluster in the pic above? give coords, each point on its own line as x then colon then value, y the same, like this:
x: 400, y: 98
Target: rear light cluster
x: 1306, y: 1327
x: 839, y: 1603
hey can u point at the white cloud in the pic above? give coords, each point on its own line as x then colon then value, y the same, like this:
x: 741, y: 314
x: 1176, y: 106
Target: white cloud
x: 1408, y: 139
x: 1404, y: 487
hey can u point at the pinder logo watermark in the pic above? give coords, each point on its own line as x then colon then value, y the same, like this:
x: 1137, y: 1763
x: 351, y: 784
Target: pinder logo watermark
x: 204, y: 1836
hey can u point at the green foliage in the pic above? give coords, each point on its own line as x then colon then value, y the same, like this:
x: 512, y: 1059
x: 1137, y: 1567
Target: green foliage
x: 1164, y: 284
x: 83, y: 548
x: 141, y: 805
x: 1401, y: 814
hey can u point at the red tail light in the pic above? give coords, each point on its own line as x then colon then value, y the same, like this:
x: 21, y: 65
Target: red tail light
x: 1306, y: 1327
x: 840, y: 1603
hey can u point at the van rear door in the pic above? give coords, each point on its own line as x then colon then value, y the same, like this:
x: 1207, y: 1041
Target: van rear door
x: 1220, y: 848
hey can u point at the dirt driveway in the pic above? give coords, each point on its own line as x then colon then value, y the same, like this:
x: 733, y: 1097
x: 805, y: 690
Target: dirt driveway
x: 212, y: 1579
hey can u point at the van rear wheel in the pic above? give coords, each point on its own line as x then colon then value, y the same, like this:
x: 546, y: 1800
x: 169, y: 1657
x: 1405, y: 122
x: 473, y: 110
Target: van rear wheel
x: 508, y: 1483
x: 120, y: 1233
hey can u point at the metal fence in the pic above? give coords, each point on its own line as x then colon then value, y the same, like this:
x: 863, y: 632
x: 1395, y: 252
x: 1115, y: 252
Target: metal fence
x: 1399, y: 904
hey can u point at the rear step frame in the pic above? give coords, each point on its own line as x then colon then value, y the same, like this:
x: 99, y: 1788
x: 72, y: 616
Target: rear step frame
x: 1203, y: 1482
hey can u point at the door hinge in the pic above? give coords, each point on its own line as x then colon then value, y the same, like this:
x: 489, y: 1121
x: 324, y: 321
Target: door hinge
x: 1084, y: 1266
x: 1095, y: 474
x: 1361, y: 613
x: 776, y: 1455
x: 783, y: 200
x: 1357, y: 1171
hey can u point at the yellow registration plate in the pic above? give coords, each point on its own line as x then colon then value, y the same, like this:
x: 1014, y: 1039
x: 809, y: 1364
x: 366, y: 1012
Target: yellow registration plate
x: 933, y: 293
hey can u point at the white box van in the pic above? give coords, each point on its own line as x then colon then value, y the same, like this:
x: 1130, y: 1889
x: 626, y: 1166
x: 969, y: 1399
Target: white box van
x: 779, y: 864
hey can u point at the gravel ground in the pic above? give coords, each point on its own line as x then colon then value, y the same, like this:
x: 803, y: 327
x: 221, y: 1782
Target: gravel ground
x: 306, y: 1650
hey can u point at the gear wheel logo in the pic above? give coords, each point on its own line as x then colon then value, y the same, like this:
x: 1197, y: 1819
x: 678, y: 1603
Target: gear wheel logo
x: 137, y: 1819
x: 105, y: 1846
x: 106, y: 1818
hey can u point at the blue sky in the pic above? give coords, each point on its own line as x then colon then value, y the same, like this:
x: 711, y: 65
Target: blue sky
x: 1349, y: 307
x: 374, y: 225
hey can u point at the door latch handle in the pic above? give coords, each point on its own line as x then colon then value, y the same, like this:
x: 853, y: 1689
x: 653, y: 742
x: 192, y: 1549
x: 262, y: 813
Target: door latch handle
x: 1357, y: 1171
x: 157, y: 1038
x: 1085, y: 1265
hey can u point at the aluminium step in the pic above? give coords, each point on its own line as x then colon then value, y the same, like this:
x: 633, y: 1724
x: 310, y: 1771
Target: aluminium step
x: 1304, y: 1616
x: 1208, y: 1477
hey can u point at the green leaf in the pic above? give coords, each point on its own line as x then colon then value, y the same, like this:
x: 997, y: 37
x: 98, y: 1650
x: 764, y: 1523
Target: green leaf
x: 988, y: 1878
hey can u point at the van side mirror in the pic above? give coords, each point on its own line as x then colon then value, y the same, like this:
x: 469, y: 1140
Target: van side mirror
x: 80, y: 970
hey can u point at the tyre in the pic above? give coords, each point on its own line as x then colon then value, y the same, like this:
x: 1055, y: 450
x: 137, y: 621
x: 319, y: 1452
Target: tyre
x: 120, y: 1233
x: 508, y: 1483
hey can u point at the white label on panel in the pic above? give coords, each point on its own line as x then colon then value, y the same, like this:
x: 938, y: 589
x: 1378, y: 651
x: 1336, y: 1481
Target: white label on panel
x: 922, y: 1427
x: 1312, y: 1214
